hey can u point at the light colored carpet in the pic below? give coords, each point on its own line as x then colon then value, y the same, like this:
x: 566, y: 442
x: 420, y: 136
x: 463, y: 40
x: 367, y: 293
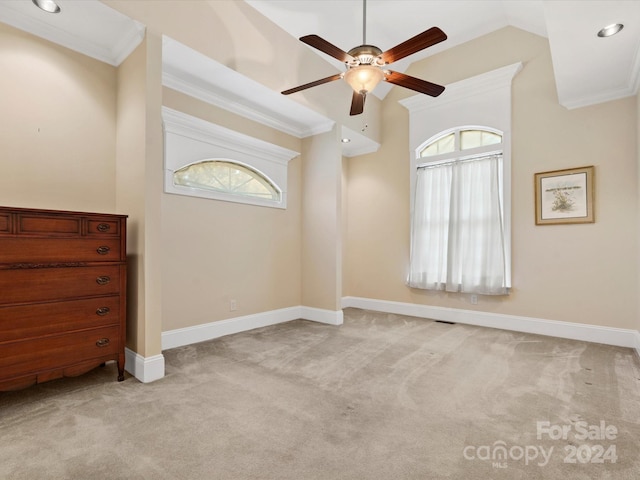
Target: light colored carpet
x: 381, y: 397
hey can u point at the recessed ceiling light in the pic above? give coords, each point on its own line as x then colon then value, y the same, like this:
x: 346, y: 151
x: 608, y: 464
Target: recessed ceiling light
x: 47, y: 5
x: 610, y: 30
x: 345, y: 140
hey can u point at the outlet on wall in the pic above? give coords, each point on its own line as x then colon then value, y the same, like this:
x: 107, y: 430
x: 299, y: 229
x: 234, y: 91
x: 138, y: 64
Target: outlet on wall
x: 233, y: 305
x: 474, y: 299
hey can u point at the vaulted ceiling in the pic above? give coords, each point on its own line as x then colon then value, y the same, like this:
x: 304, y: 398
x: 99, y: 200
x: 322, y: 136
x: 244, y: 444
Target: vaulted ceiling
x: 588, y: 69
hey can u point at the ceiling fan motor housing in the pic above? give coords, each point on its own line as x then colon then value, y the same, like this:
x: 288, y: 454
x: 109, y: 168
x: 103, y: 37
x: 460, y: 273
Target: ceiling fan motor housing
x: 365, y: 55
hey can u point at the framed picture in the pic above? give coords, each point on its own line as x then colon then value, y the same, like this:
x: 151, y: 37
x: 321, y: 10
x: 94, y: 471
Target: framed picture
x: 564, y: 196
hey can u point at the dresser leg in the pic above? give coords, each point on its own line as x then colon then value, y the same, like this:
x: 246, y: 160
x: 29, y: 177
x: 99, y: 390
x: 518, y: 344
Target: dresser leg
x: 121, y: 367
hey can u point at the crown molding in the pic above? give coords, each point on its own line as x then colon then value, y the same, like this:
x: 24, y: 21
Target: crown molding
x: 467, y: 88
x: 130, y: 33
x: 192, y: 127
x: 222, y: 99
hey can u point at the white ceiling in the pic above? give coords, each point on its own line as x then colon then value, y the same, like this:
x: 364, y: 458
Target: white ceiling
x: 588, y: 69
x: 391, y: 22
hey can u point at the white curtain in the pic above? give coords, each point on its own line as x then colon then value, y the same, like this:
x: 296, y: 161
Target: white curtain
x: 457, y: 238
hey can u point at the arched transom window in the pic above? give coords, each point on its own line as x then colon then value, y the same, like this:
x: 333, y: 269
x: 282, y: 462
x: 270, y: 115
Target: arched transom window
x: 460, y: 140
x: 228, y: 177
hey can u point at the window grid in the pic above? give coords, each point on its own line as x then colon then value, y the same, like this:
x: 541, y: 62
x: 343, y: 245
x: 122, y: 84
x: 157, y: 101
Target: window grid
x: 228, y: 177
x: 460, y: 139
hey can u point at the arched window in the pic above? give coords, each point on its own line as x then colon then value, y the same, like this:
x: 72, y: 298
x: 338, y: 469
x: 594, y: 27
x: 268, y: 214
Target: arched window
x: 209, y: 161
x: 457, y: 236
x: 462, y: 139
x: 226, y: 176
x: 460, y: 185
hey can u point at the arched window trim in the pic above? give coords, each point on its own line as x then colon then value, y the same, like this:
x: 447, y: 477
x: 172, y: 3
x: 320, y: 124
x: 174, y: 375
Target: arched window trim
x: 483, y: 99
x: 189, y: 140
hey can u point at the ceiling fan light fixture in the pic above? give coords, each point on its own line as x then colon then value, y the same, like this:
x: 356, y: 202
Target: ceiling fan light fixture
x: 364, y: 78
x: 610, y: 30
x: 48, y: 6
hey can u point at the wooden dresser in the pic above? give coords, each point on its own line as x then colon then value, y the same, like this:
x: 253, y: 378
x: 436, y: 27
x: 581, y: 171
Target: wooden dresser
x: 62, y: 294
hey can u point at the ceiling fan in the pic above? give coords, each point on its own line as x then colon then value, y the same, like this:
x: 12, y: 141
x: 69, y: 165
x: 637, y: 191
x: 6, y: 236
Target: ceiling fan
x: 366, y: 64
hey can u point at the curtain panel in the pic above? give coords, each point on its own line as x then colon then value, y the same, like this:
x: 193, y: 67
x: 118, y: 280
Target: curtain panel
x: 457, y: 238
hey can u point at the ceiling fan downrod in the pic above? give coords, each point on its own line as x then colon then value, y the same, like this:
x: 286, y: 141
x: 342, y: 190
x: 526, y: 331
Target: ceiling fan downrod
x: 364, y: 22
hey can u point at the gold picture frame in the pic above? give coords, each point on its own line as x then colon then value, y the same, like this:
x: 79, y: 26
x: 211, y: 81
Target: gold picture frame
x: 565, y: 196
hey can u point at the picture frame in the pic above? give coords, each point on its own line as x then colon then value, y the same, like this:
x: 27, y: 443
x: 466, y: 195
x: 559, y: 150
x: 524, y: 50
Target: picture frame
x: 565, y: 196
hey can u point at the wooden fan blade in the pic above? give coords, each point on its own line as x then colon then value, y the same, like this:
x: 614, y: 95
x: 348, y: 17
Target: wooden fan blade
x: 357, y: 103
x: 415, y: 44
x: 321, y: 44
x: 337, y: 76
x: 414, y: 83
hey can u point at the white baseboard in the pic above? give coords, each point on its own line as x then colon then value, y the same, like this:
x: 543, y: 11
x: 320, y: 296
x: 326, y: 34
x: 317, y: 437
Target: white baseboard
x: 145, y: 369
x: 152, y: 368
x: 208, y: 331
x: 576, y: 331
x: 323, y: 316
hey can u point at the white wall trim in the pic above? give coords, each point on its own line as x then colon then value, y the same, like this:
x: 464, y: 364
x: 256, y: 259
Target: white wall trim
x: 221, y: 99
x: 553, y: 328
x: 323, y: 316
x: 196, y: 128
x: 638, y: 344
x: 469, y: 88
x: 189, y: 140
x: 208, y: 331
x: 129, y: 32
x: 197, y: 75
x: 145, y: 369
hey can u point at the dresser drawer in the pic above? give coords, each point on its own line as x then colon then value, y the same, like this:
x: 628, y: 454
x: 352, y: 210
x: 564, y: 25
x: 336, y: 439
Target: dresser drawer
x: 5, y: 223
x: 49, y: 284
x: 38, y: 224
x: 35, y: 320
x: 103, y: 227
x: 23, y: 357
x: 47, y: 250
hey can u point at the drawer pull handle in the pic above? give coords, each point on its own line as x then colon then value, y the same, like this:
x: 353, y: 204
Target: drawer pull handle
x: 103, y: 342
x: 104, y: 227
x: 103, y: 250
x: 102, y: 311
x: 103, y: 280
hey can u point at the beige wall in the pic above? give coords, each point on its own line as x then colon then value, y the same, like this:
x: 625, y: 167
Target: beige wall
x: 215, y: 251
x: 322, y: 222
x: 90, y: 144
x: 236, y: 35
x: 139, y: 174
x: 58, y: 129
x: 92, y: 140
x: 574, y: 273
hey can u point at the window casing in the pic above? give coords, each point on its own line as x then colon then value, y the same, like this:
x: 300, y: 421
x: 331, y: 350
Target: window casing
x: 205, y: 160
x: 481, y: 100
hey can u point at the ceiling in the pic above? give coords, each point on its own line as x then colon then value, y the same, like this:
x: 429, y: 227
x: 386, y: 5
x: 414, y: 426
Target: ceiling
x: 588, y: 69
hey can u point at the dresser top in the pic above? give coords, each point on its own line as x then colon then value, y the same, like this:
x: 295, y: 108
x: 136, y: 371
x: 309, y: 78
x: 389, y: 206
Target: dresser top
x: 58, y: 212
